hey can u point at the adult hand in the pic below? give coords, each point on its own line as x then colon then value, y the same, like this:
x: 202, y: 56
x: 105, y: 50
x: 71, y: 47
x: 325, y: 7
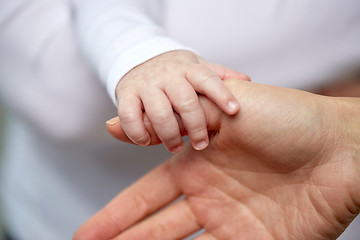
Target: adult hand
x: 167, y: 83
x: 285, y: 167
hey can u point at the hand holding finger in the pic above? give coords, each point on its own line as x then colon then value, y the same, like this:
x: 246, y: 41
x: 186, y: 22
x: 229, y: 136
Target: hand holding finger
x: 115, y: 129
x: 176, y: 76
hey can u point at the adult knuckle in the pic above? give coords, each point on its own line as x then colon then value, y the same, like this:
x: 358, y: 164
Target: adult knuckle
x: 159, y: 230
x: 142, y: 203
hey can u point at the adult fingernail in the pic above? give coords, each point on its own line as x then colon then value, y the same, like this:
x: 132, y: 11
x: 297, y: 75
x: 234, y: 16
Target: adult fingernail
x: 113, y: 121
x: 200, y: 145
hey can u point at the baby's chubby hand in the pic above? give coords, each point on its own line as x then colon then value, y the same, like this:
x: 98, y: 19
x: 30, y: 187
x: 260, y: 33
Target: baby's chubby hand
x: 167, y: 83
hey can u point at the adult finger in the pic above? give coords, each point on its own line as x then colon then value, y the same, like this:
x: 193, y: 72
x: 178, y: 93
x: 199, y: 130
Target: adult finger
x: 131, y: 117
x: 186, y: 103
x: 205, y: 236
x: 160, y: 113
x: 153, y: 191
x: 115, y: 129
x: 206, y: 82
x: 175, y: 222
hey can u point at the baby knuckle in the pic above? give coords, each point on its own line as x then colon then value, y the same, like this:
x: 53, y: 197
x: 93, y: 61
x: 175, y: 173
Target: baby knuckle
x: 189, y: 105
x: 127, y: 117
x: 139, y: 138
x: 198, y: 131
x: 162, y: 117
x: 192, y: 70
x: 206, y: 77
x: 172, y: 139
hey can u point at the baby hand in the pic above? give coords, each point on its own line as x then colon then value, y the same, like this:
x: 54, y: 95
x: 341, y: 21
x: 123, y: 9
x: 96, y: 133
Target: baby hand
x: 170, y: 82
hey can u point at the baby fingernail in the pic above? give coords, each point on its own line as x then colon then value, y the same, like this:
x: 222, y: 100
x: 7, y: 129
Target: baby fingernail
x: 147, y: 140
x: 201, y: 145
x: 232, y: 106
x: 177, y: 149
x: 147, y: 143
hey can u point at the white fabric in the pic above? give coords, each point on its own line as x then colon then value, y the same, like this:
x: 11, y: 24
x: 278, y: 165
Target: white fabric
x: 114, y: 33
x: 58, y: 58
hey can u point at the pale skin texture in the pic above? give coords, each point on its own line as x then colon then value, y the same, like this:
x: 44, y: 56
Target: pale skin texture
x: 167, y: 83
x: 285, y: 167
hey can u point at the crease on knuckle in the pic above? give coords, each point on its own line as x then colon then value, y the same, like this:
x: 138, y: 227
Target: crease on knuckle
x: 188, y: 105
x: 127, y: 117
x: 139, y: 138
x: 198, y: 133
x: 206, y: 77
x: 172, y: 139
x: 142, y: 203
x: 162, y: 117
x: 201, y: 74
x: 113, y: 218
x: 159, y: 231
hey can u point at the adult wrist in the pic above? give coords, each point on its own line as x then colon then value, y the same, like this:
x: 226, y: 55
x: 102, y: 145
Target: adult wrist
x: 348, y: 140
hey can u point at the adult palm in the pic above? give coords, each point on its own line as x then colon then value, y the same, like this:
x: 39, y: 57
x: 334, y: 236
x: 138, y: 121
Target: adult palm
x: 285, y: 167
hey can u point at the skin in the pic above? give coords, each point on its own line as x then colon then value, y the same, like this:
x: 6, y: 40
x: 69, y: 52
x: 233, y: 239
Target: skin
x: 167, y: 83
x: 287, y: 166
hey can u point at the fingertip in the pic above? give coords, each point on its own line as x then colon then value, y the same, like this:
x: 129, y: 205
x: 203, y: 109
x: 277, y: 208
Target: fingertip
x: 113, y: 121
x: 145, y: 140
x: 201, y: 145
x: 177, y: 148
x: 232, y: 107
x: 147, y: 143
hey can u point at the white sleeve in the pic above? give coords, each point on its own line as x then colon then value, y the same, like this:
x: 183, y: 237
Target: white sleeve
x: 118, y: 35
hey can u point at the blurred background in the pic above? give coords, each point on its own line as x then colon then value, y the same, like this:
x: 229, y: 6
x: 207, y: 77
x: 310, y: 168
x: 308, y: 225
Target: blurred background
x: 2, y: 114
